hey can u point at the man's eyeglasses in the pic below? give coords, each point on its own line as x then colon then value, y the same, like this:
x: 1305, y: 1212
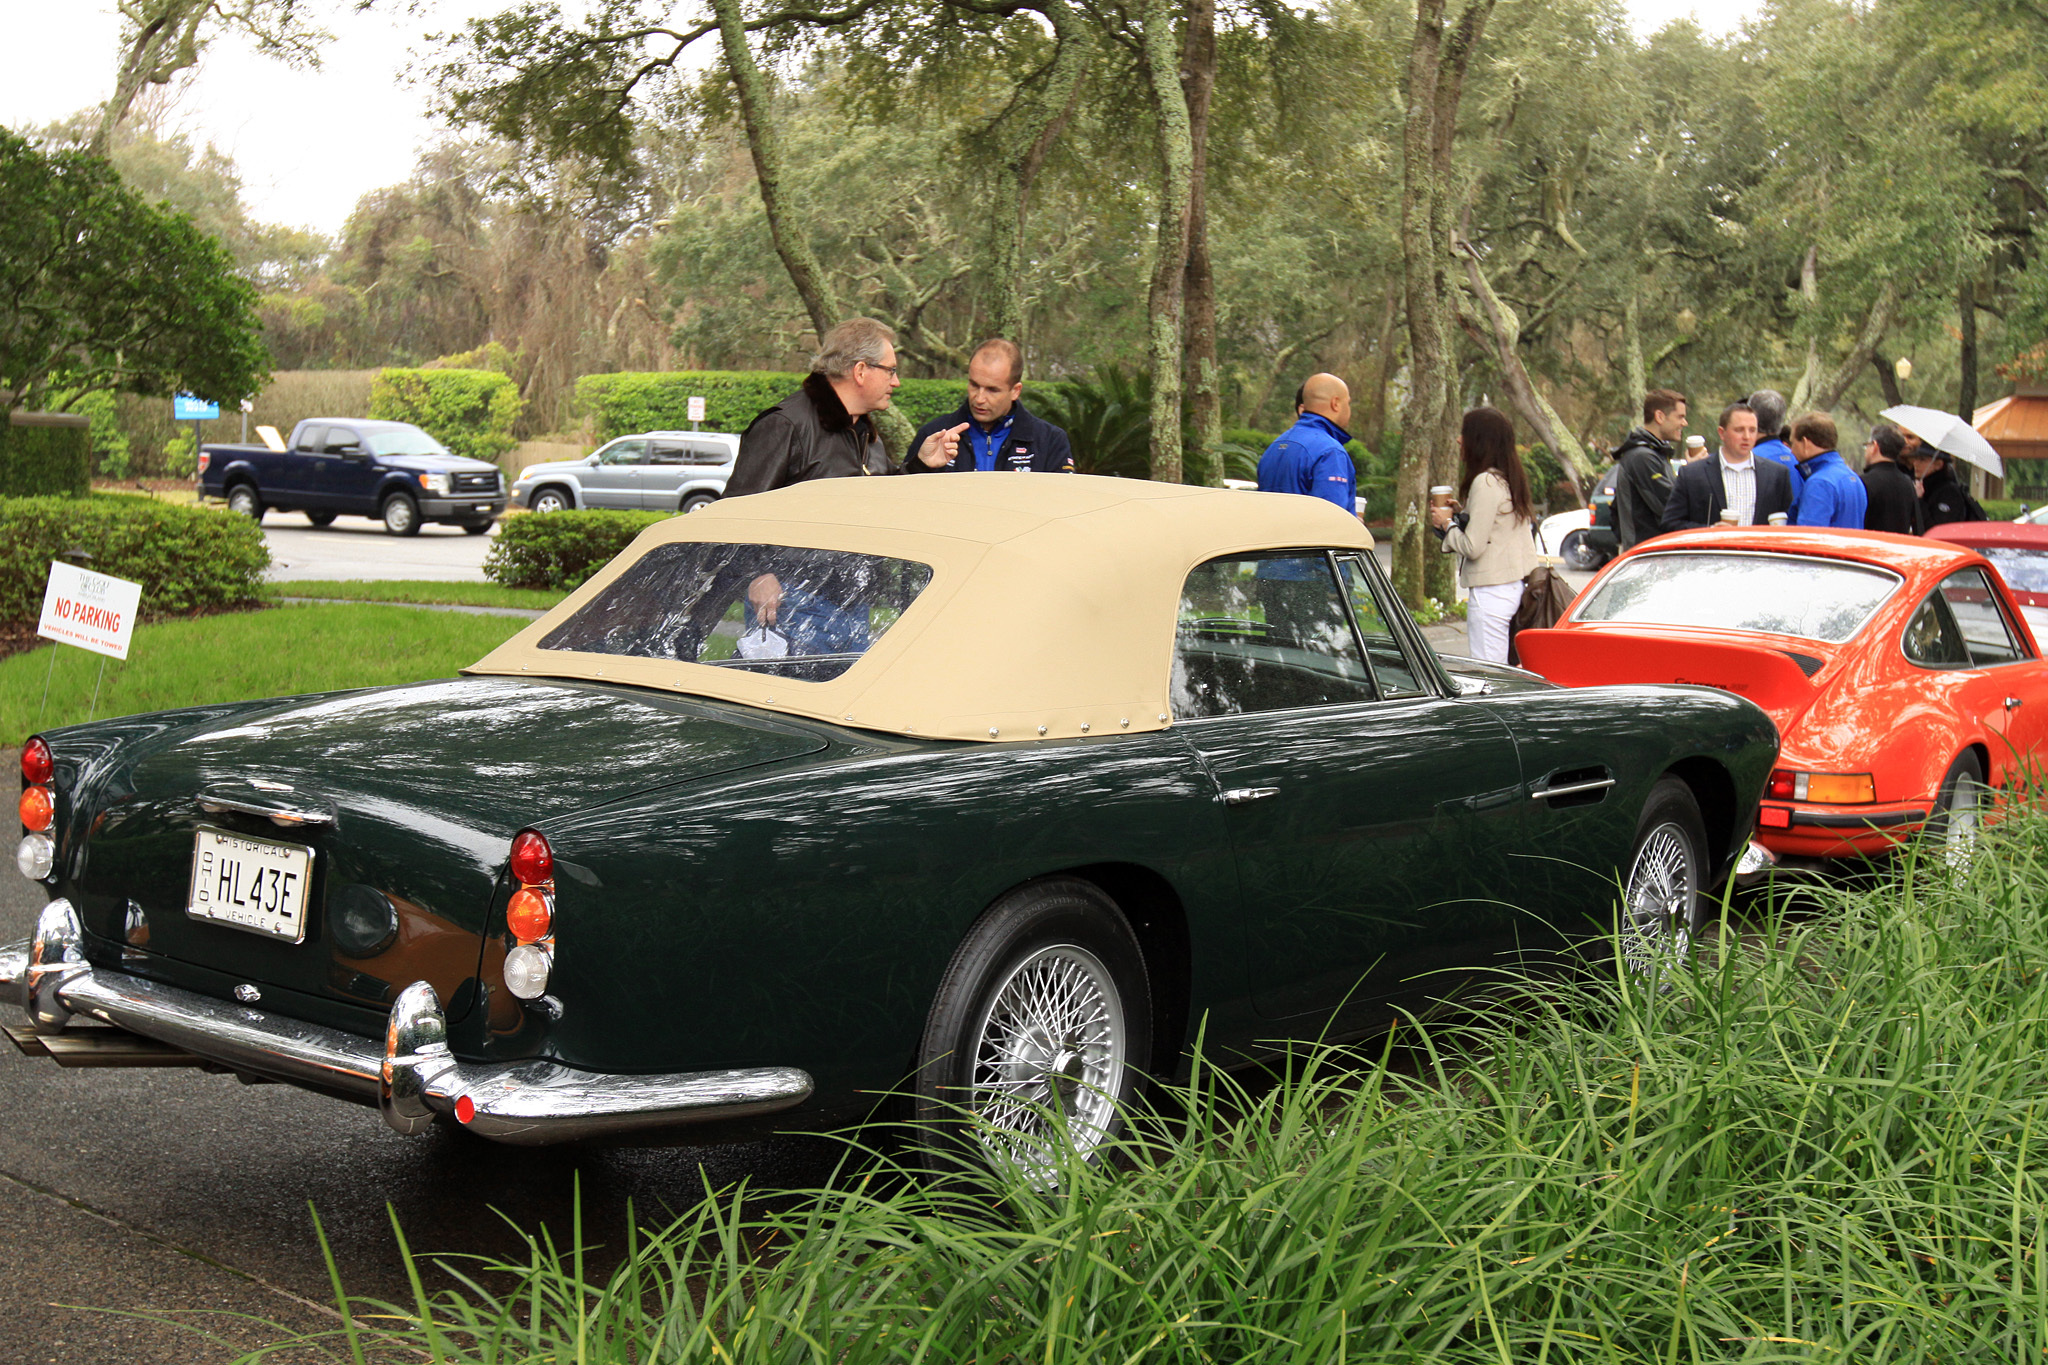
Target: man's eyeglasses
x: 892, y: 369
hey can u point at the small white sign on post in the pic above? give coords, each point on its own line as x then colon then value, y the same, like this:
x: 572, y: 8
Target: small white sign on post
x: 697, y: 409
x: 89, y: 610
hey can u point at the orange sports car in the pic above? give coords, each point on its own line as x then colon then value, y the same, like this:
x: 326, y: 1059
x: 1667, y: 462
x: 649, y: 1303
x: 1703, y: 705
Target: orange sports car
x: 1901, y: 673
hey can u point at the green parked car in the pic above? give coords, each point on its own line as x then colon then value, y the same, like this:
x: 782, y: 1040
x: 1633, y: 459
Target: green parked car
x: 985, y: 792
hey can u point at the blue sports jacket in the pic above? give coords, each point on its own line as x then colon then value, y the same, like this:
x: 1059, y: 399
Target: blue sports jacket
x: 1832, y: 495
x: 1309, y: 457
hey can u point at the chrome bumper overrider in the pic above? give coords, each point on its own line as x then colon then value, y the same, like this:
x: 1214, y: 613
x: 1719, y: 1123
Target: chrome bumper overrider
x: 411, y: 1078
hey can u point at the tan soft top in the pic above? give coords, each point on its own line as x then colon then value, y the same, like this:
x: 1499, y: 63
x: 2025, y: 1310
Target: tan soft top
x: 1052, y: 601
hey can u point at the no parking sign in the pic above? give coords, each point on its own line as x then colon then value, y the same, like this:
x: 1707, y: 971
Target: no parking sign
x: 89, y: 610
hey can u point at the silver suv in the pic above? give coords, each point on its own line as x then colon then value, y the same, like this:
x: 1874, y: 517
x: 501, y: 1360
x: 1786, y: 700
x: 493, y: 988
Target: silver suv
x: 662, y: 471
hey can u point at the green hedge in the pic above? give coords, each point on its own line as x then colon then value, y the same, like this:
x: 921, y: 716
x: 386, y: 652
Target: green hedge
x: 39, y: 459
x: 185, y: 558
x: 469, y: 411
x: 621, y: 404
x: 2005, y: 509
x: 561, y: 549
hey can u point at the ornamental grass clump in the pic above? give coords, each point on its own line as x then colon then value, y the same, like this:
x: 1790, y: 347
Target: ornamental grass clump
x: 1825, y: 1140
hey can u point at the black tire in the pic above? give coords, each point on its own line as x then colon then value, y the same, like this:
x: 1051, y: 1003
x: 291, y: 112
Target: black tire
x: 1003, y: 1044
x: 551, y: 499
x: 320, y: 520
x: 1958, y: 812
x: 243, y: 501
x: 1667, y: 868
x: 695, y: 501
x: 401, y: 515
x: 476, y: 528
x: 1578, y: 553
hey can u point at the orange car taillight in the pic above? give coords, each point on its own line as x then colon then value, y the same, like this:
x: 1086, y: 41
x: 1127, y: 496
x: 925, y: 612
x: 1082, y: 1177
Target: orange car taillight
x: 1834, y: 789
x: 530, y: 916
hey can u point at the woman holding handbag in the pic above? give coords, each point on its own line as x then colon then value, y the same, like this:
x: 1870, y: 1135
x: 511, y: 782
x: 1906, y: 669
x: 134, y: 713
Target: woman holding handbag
x: 1490, y: 530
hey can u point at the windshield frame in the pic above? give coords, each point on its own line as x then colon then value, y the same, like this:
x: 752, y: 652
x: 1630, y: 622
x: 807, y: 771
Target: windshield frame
x: 1587, y: 598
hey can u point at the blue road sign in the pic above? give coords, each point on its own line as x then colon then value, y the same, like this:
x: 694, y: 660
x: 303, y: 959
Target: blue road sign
x: 186, y: 408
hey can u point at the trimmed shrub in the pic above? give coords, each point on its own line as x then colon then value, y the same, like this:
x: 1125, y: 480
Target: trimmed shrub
x: 561, y: 549
x: 185, y: 558
x: 469, y: 411
x: 2003, y: 509
x: 43, y: 455
x: 622, y: 404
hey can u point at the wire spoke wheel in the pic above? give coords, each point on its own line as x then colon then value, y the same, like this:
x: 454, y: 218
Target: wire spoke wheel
x: 1660, y: 901
x: 1049, y: 1056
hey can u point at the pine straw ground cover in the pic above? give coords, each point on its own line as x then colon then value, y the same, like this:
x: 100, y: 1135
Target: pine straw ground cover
x: 1830, y: 1149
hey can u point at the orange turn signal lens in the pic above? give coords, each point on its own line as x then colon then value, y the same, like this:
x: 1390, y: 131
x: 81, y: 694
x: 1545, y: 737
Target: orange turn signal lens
x: 530, y: 914
x: 1840, y: 789
x: 38, y: 811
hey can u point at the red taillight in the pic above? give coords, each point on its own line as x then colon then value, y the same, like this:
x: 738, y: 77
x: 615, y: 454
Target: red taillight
x: 533, y: 862
x: 37, y: 764
x: 1774, y: 817
x: 530, y: 914
x: 38, y: 810
x: 1782, y: 785
x: 465, y: 1109
x: 204, y: 460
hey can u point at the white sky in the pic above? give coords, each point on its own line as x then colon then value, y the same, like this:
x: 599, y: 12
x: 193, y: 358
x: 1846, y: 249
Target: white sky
x: 309, y: 144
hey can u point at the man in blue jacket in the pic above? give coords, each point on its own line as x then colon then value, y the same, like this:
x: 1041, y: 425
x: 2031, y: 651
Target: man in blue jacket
x: 992, y: 430
x: 1831, y: 494
x: 1309, y: 457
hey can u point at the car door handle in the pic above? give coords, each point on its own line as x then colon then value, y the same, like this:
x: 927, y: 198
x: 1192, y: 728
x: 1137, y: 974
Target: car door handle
x: 1571, y: 789
x: 2012, y: 703
x: 1244, y: 796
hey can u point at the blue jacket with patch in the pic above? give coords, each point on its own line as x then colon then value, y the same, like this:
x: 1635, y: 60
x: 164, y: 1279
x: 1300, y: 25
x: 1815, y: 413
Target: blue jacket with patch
x: 1310, y: 458
x: 1032, y: 445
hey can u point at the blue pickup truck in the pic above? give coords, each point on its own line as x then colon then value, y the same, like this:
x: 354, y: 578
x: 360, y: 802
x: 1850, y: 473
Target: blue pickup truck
x: 334, y: 465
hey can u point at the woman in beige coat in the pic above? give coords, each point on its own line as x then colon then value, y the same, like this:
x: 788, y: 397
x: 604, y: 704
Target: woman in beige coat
x: 1490, y: 533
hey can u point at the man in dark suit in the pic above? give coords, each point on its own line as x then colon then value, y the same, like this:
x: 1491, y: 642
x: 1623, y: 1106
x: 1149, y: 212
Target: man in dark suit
x: 1733, y: 477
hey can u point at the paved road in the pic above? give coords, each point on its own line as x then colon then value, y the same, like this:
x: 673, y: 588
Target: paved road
x: 357, y: 547
x: 171, y: 1191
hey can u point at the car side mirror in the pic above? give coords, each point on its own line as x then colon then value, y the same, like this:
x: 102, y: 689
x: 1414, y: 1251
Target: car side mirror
x: 590, y: 459
x: 353, y: 452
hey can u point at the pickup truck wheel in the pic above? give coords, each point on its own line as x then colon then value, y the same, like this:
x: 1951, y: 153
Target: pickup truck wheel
x: 551, y: 500
x: 401, y: 515
x: 242, y: 501
x: 475, y: 528
x: 1038, y: 1032
x: 320, y: 519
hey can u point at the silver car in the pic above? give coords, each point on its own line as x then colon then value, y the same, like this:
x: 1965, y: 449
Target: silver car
x: 661, y: 471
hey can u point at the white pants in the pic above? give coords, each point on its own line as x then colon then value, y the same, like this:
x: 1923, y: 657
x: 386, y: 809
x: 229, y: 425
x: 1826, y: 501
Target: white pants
x: 1487, y: 613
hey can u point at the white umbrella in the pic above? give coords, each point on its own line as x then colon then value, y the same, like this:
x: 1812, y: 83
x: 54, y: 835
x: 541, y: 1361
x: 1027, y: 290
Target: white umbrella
x: 1946, y: 431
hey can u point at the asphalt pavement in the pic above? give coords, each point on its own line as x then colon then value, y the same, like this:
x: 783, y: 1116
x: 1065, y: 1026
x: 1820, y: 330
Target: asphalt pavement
x: 358, y: 547
x: 133, y: 1200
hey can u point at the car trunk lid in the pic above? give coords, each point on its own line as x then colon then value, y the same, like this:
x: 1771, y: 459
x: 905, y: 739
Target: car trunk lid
x: 1778, y: 679
x: 404, y: 802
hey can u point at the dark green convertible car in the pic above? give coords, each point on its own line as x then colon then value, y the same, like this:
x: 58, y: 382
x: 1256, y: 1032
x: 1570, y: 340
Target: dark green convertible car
x: 988, y: 792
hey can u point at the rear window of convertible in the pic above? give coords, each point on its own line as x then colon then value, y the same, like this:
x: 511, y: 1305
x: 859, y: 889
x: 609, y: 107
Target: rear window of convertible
x: 1810, y: 598
x: 794, y: 613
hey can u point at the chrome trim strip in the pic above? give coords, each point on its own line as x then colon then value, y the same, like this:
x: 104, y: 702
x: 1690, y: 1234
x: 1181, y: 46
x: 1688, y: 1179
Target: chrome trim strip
x: 1571, y: 789
x: 1244, y: 796
x: 277, y: 812
x: 409, y: 1074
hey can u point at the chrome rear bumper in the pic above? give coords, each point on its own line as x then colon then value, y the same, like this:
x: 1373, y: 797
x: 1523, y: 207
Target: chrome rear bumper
x: 412, y: 1078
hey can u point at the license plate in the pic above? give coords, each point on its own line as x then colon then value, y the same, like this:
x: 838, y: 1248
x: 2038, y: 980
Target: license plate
x: 254, y: 884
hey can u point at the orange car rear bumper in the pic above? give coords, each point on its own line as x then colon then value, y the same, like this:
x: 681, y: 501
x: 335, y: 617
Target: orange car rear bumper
x: 1807, y: 830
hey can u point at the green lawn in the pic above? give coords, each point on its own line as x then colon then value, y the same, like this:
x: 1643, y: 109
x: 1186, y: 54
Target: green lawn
x: 244, y: 655
x: 419, y: 590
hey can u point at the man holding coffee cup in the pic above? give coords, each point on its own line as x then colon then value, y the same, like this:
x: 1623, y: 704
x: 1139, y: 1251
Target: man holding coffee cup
x: 1733, y: 487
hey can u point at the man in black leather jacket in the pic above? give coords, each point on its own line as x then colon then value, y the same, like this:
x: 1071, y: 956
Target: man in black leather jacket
x: 824, y: 430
